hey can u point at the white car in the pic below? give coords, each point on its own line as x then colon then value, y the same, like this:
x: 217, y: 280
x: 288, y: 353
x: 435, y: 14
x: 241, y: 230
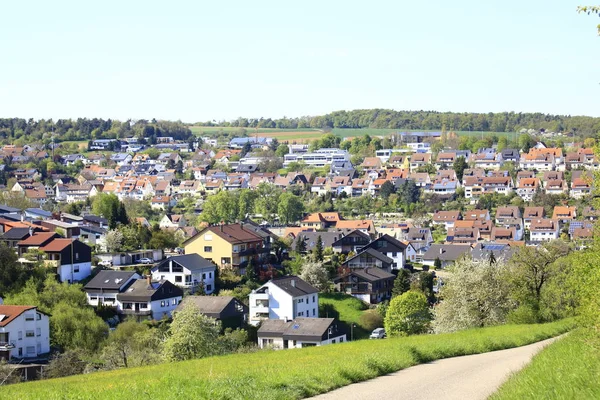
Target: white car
x: 145, y: 260
x: 105, y: 263
x: 378, y: 333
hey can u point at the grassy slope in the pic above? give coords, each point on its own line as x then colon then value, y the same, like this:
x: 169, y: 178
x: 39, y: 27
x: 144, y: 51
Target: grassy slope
x: 350, y: 309
x: 567, y: 369
x: 287, y: 374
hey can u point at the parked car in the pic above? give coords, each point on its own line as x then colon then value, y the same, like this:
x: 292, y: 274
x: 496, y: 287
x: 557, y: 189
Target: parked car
x: 105, y: 263
x: 145, y: 260
x: 378, y: 333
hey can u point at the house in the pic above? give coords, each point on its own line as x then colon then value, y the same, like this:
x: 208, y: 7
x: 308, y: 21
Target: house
x: 581, y: 187
x: 477, y: 215
x: 231, y: 312
x: 172, y: 221
x: 15, y: 235
x: 527, y: 187
x: 350, y: 242
x: 463, y: 235
x: 501, y: 252
x: 391, y: 247
x: 556, y: 186
x: 310, y: 239
x: 506, y: 212
x: 564, y: 214
x: 419, y: 238
x: 371, y: 285
x: 37, y: 213
x: 284, y: 298
x: 590, y: 213
x: 162, y: 202
x: 369, y: 258
x: 364, y: 225
x: 510, y: 155
x: 418, y: 160
x: 504, y: 234
x: 544, y: 230
x: 446, y: 253
x: 146, y: 299
x: 72, y: 258
x: 102, y: 290
x: 532, y: 213
x: 299, y: 333
x: 372, y: 163
x: 121, y: 158
x: 93, y: 236
x: 446, y: 218
x: 24, y: 332
x: 189, y: 271
x: 230, y: 245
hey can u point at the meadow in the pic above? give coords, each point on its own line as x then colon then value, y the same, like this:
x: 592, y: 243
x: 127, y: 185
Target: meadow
x: 567, y: 369
x: 285, y: 374
x: 350, y: 309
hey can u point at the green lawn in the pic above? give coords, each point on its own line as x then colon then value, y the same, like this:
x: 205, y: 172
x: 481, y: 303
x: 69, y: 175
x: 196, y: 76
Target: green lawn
x: 567, y: 369
x: 285, y: 374
x: 349, y: 308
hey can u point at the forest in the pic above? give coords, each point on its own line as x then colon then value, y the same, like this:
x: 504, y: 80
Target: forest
x: 426, y: 120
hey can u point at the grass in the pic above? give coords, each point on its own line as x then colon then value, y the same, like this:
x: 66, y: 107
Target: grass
x: 286, y: 374
x: 567, y: 369
x: 349, y: 308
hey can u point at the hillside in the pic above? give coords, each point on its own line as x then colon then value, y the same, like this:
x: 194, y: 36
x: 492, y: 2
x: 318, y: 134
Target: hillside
x: 287, y: 374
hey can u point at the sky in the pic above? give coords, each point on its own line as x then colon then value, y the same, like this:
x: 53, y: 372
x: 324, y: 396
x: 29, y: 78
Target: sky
x: 219, y: 60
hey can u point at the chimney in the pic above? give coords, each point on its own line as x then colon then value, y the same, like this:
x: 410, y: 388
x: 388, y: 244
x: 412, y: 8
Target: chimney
x: 30, y: 231
x: 441, y: 251
x: 242, y: 225
x: 149, y: 279
x: 221, y: 227
x: 293, y: 283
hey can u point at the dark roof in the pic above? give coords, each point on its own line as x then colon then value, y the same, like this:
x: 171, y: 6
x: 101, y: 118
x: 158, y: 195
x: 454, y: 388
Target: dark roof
x: 446, y: 252
x: 355, y: 232
x: 309, y: 329
x: 311, y: 238
x: 481, y: 251
x: 193, y: 262
x: 109, y: 280
x: 7, y: 210
x: 294, y: 286
x: 232, y: 233
x: 95, y: 219
x: 371, y: 274
x: 388, y: 244
x: 16, y: 234
x: 40, y: 212
x: 380, y: 256
x: 211, y: 306
x: 140, y: 290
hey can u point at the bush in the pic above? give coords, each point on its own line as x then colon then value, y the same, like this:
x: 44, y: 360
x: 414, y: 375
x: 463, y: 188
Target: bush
x: 408, y: 314
x: 370, y: 320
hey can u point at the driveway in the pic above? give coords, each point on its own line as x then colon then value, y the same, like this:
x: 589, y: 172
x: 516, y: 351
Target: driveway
x: 461, y: 378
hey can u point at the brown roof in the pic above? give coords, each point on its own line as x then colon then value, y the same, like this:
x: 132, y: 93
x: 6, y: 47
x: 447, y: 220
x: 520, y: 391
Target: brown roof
x: 38, y: 239
x: 533, y: 212
x: 12, y: 312
x: 446, y: 216
x: 57, y: 245
x: 543, y: 223
x: 234, y: 233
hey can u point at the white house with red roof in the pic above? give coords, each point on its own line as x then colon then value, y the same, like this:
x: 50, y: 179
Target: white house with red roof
x: 24, y: 332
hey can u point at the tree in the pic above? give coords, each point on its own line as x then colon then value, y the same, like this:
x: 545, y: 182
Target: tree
x: 370, y: 320
x: 318, y: 252
x: 316, y: 275
x: 475, y: 295
x: 387, y: 189
x: 246, y: 149
x: 131, y: 344
x: 408, y: 314
x: 114, y: 241
x: 437, y: 263
x: 12, y: 273
x: 191, y: 335
x: 290, y: 208
x: 71, y: 362
x: 460, y: 164
x: 224, y: 206
x: 76, y: 328
x: 401, y: 283
x: 250, y: 271
x: 282, y: 150
x: 267, y: 201
x: 531, y: 269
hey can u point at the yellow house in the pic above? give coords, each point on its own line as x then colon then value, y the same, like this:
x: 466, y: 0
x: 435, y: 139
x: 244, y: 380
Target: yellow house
x: 228, y: 245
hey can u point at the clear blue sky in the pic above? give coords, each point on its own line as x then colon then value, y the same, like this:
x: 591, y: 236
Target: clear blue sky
x: 203, y: 60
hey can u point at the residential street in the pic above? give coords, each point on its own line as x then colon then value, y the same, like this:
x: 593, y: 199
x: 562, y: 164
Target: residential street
x: 469, y: 377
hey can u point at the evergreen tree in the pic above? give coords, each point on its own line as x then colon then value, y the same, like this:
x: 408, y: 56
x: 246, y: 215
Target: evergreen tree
x: 387, y: 189
x: 492, y: 258
x: 319, y: 249
x: 401, y: 283
x: 437, y: 264
x: 460, y: 164
x: 250, y: 274
x: 300, y: 245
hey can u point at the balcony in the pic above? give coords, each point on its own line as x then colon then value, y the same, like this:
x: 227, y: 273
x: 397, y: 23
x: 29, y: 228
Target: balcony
x: 137, y: 312
x: 6, y: 345
x: 51, y: 263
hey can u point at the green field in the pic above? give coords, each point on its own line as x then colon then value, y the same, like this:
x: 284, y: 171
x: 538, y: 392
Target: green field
x: 285, y: 374
x: 567, y: 369
x: 349, y: 308
x: 310, y: 134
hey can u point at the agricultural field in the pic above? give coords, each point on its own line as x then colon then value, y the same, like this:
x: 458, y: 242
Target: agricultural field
x: 307, y: 134
x: 285, y: 374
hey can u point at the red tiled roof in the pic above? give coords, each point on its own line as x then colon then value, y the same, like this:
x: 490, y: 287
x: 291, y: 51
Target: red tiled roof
x: 12, y: 312
x: 57, y: 245
x: 38, y: 239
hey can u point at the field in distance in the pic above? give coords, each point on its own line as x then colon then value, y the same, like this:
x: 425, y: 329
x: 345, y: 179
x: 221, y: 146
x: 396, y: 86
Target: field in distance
x: 307, y: 134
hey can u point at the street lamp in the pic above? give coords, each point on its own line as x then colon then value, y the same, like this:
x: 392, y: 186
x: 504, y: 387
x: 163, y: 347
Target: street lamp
x: 352, y: 332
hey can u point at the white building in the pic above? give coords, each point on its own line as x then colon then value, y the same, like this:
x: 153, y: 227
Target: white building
x: 145, y: 299
x: 319, y: 158
x: 544, y: 230
x: 284, y: 298
x: 24, y: 332
x: 187, y: 271
x: 299, y: 333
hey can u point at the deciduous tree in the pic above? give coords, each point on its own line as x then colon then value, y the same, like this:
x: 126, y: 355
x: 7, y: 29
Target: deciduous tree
x: 408, y: 314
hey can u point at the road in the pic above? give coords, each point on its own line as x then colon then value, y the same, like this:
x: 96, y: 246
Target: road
x: 468, y: 377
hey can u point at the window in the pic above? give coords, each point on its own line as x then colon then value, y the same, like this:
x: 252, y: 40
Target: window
x: 38, y: 332
x: 29, y: 317
x: 208, y: 249
x: 203, y: 276
x: 76, y: 256
x: 208, y: 237
x: 178, y: 279
x: 162, y: 303
x: 208, y: 288
x: 341, y: 339
x: 29, y: 334
x: 177, y: 268
x: 210, y: 275
x: 30, y: 349
x: 38, y: 316
x: 174, y: 302
x: 39, y: 348
x: 20, y: 335
x: 20, y: 352
x: 225, y: 260
x: 76, y: 268
x: 314, y: 299
x: 93, y: 298
x: 314, y: 312
x: 143, y: 306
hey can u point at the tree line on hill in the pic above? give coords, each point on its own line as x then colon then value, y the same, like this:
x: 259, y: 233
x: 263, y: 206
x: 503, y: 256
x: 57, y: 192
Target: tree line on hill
x: 427, y: 120
x: 21, y: 131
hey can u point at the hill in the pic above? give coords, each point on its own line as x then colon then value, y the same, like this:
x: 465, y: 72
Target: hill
x: 286, y: 374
